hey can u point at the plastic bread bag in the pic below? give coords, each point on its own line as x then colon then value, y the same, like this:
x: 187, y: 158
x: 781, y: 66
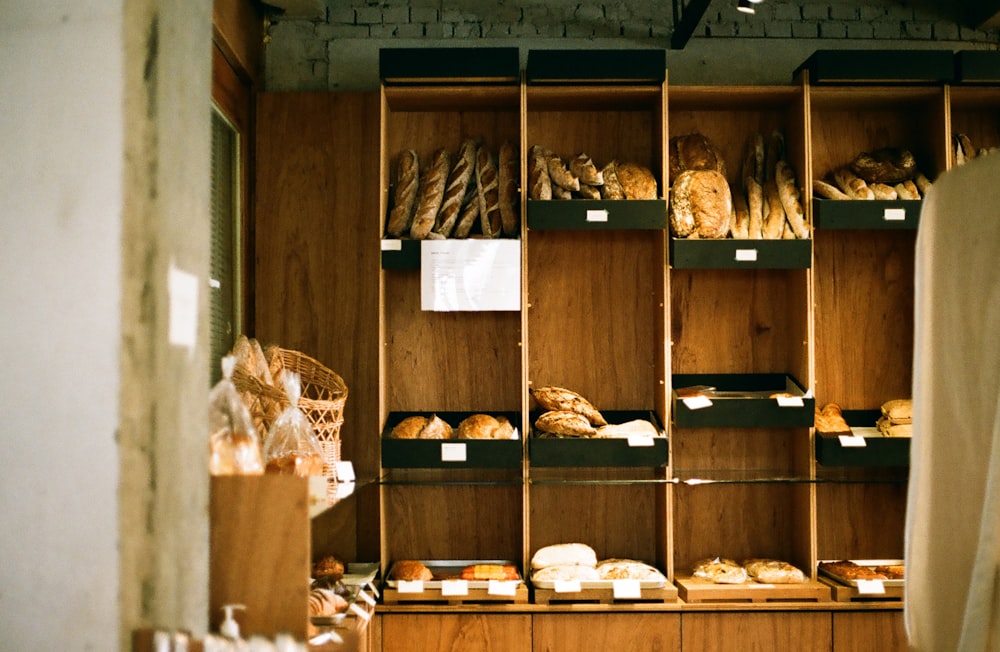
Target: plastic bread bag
x: 233, y: 445
x: 292, y: 447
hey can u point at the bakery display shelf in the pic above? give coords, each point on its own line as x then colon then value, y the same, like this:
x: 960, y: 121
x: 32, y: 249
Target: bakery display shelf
x: 594, y: 66
x: 546, y: 450
x: 360, y: 580
x: 687, y: 253
x: 605, y: 593
x: 597, y: 214
x: 400, y: 253
x: 866, y: 214
x: 853, y: 590
x: 470, y: 65
x: 879, y: 67
x: 446, y: 587
x: 767, y: 400
x: 450, y: 453
x: 594, y: 475
x: 864, y: 446
x: 697, y: 590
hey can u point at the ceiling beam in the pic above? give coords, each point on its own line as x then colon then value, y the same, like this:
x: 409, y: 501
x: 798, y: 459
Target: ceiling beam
x: 686, y: 19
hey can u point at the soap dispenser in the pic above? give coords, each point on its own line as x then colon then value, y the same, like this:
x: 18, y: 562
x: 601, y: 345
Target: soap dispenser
x: 229, y: 627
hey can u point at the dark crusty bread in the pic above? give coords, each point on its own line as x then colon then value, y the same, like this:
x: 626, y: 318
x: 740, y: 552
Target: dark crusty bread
x: 488, y: 184
x: 405, y: 195
x: 509, y: 177
x: 432, y: 184
x: 455, y: 188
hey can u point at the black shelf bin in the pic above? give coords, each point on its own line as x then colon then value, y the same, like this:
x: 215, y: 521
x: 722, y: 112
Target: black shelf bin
x: 743, y: 401
x: 440, y: 453
x: 870, y: 214
x: 466, y: 65
x: 878, y: 451
x: 552, y: 451
x: 740, y: 254
x: 597, y: 214
x: 879, y: 67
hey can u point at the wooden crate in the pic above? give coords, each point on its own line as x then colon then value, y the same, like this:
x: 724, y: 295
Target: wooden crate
x: 694, y: 589
x: 843, y: 593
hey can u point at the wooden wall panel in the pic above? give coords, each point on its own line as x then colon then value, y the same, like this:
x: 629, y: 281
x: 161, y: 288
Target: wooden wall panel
x: 756, y: 632
x: 876, y: 631
x: 456, y: 633
x: 600, y: 632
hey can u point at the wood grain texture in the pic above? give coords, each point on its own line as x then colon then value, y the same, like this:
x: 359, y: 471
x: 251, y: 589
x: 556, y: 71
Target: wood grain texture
x: 860, y: 521
x: 756, y: 632
x: 600, y: 632
x: 878, y: 631
x: 455, y: 633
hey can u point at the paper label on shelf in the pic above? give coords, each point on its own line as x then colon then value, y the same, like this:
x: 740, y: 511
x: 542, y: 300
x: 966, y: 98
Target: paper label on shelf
x: 566, y: 586
x: 597, y: 216
x: 454, y: 587
x: 392, y: 244
x: 410, y: 586
x: 345, y: 471
x: 502, y: 587
x: 746, y: 255
x: 871, y: 587
x: 790, y: 401
x: 452, y: 452
x: 626, y: 589
x: 852, y: 441
x: 697, y: 402
x: 470, y: 275
x: 894, y: 215
x: 359, y: 611
x: 638, y: 441
x: 183, y: 289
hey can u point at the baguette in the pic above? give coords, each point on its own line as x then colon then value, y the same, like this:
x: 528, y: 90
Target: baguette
x: 489, y: 193
x: 583, y: 167
x: 852, y: 184
x: 774, y: 214
x: 588, y: 192
x: 510, y: 217
x: 539, y: 183
x: 558, y: 192
x: 907, y: 190
x: 922, y: 182
x: 828, y: 190
x: 740, y: 223
x: 455, y: 189
x: 431, y: 194
x: 884, y: 191
x: 561, y: 175
x: 788, y: 193
x: 755, y: 202
x: 405, y: 195
x: 468, y: 219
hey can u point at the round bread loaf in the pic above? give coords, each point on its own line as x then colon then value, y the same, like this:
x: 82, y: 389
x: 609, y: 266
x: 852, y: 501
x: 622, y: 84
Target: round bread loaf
x: 478, y: 426
x: 700, y: 205
x: 564, y: 554
x: 410, y: 570
x: 637, y: 181
x: 694, y: 152
x: 886, y: 165
x: 409, y: 428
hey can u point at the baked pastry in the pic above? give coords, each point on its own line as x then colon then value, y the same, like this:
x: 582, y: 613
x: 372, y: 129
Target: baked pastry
x: 478, y: 426
x: 627, y: 569
x: 828, y: 190
x: 850, y: 570
x: 507, y: 173
x: 421, y: 427
x: 884, y: 191
x: 791, y: 198
x: 830, y: 420
x: 886, y: 165
x: 907, y: 190
x: 326, y: 602
x: 560, y: 174
x: 411, y: 570
x: 588, y: 192
x: 891, y: 571
x: 432, y: 184
x: 700, y: 205
x: 564, y: 554
x: 637, y: 181
x: 633, y: 428
x: 852, y: 185
x: 582, y: 166
x: 693, y: 152
x: 899, y: 410
x: 612, y: 187
x: 405, y: 194
x: 328, y: 568
x: 539, y: 183
x: 488, y: 185
x: 773, y: 571
x: 455, y: 190
x: 720, y: 570
x: 482, y: 572
x: 773, y: 227
x: 890, y: 429
x: 566, y: 423
x: 550, y: 397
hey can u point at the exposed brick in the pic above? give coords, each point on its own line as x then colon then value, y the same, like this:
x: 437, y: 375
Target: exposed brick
x: 446, y: 30
x: 505, y: 14
x: 410, y: 30
x: 860, y: 30
x: 945, y: 31
x: 467, y: 30
x: 523, y: 29
x: 919, y: 31
x: 787, y: 12
x: 661, y: 32
x: 751, y: 28
x: 815, y: 12
x: 330, y: 32
x: 887, y: 29
x: 723, y: 29
x: 617, y: 12
x: 368, y: 15
x: 590, y: 13
x: 579, y: 30
x: 778, y: 30
x: 805, y: 30
x: 843, y: 12
x: 495, y: 30
x: 869, y: 12
x: 635, y: 29
x: 341, y: 15
x: 899, y: 12
x: 396, y: 15
x: 424, y: 15
x: 382, y: 31
x: 833, y: 29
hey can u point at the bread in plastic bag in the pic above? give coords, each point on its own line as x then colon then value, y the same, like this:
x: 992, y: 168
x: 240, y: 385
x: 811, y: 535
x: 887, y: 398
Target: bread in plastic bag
x: 233, y: 445
x: 291, y: 446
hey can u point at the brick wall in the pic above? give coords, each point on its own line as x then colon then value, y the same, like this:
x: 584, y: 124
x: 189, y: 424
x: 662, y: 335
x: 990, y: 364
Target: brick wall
x: 337, y: 47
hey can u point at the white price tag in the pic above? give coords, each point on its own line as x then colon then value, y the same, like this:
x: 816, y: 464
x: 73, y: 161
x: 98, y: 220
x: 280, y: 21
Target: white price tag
x: 639, y: 441
x: 502, y: 587
x: 790, y: 401
x: 697, y: 402
x: 894, y: 215
x: 391, y: 244
x: 597, y: 216
x: 852, y: 441
x: 345, y: 471
x: 626, y: 589
x: 452, y: 452
x: 746, y: 255
x: 410, y: 586
x: 871, y: 587
x: 359, y: 611
x: 567, y: 586
x: 455, y: 587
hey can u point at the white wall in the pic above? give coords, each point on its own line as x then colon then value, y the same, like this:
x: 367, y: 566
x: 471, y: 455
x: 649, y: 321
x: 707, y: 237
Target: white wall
x: 60, y: 253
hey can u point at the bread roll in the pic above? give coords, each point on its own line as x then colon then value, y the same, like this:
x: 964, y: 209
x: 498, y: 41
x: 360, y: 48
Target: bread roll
x: 898, y: 410
x: 612, y: 187
x: 329, y: 568
x: 773, y: 571
x: 907, y: 190
x: 774, y: 213
x: 564, y: 554
x: 488, y: 184
x: 852, y: 185
x: 409, y: 428
x: 700, y: 204
x: 883, y: 191
x: 436, y: 428
x: 693, y: 152
x: 828, y: 190
x: 505, y: 429
x: 539, y: 183
x: 455, y: 188
x: 432, y: 185
x: 411, y: 570
x: 561, y: 175
x: 565, y: 423
x: 637, y: 181
x: 788, y: 193
x: 582, y: 166
x: 508, y: 178
x: 405, y: 194
x: 550, y: 397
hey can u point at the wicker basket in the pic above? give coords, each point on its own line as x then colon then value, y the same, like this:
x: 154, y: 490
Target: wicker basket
x: 322, y: 398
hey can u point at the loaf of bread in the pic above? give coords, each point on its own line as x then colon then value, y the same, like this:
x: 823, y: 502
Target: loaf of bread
x: 478, y: 426
x: 488, y: 184
x: 755, y: 207
x: 405, y: 193
x: 633, y: 428
x: 773, y: 227
x: 907, y: 190
x: 558, y: 192
x: 421, y: 427
x: 328, y: 567
x: 753, y: 160
x: 788, y: 193
x: 922, y: 182
x: 468, y: 218
x: 773, y: 571
x: 852, y: 184
x: 628, y: 569
x: 886, y: 165
x: 612, y: 187
x: 566, y: 573
x: 326, y: 602
x: 849, y: 570
x: 720, y: 570
x: 565, y: 423
x: 693, y: 152
x: 700, y: 205
x: 583, y: 167
x: 898, y: 410
x: 739, y: 217
x: 637, y: 181
x: 411, y: 570
x: 830, y: 420
x: 828, y: 190
x: 508, y: 178
x: 484, y: 572
x: 432, y: 184
x: 588, y: 192
x: 539, y: 183
x: 456, y: 188
x: 550, y: 397
x: 883, y: 191
x: 564, y: 554
x: 561, y: 175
